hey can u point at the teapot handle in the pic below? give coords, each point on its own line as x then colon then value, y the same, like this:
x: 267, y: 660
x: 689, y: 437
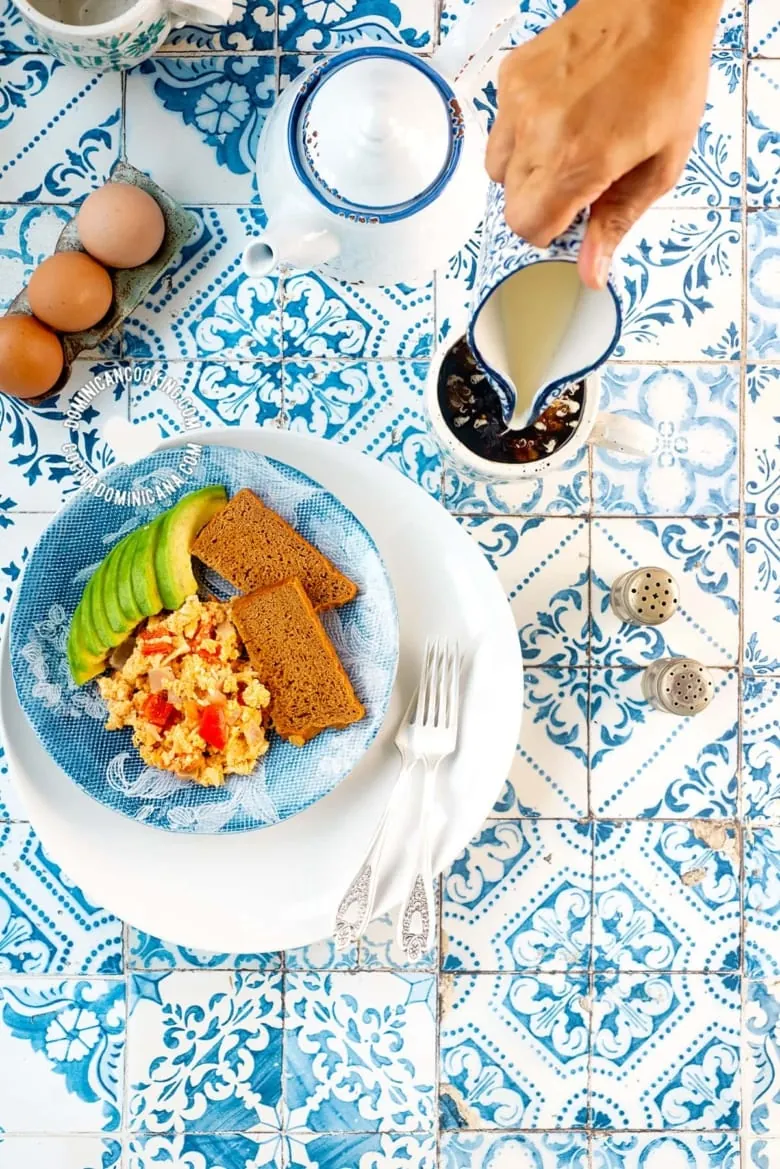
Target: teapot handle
x: 477, y: 36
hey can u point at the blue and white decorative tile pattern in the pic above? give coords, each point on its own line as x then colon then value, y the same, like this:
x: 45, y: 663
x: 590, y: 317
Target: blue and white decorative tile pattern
x: 580, y: 1007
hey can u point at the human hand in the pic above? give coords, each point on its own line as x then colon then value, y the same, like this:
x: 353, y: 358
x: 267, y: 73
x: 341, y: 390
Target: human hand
x: 600, y: 110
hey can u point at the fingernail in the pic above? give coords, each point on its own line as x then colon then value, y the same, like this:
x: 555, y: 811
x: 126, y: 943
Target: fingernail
x: 602, y: 271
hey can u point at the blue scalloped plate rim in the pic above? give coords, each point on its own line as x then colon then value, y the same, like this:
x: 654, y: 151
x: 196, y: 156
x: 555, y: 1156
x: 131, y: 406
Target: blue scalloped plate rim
x: 104, y: 763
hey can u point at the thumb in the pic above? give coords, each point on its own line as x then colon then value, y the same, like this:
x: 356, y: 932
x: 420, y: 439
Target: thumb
x: 614, y: 213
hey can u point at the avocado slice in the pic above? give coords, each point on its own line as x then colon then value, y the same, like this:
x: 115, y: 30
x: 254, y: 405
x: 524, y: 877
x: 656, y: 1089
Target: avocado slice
x: 82, y: 662
x: 108, y: 636
x: 126, y: 552
x: 180, y: 526
x: 144, y: 579
x: 109, y: 592
x: 90, y: 638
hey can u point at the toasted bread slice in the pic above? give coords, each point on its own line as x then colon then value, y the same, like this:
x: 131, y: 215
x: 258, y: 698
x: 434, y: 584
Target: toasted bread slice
x: 294, y: 657
x: 252, y: 547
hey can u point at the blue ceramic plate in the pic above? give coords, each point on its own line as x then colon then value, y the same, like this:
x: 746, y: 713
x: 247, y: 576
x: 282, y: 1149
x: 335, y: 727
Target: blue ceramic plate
x: 70, y: 721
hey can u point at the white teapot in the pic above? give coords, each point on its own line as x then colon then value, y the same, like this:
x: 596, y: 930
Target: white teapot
x: 371, y: 165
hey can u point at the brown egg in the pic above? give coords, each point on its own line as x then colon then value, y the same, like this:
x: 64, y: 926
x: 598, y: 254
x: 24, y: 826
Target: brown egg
x: 121, y: 225
x: 31, y: 356
x: 70, y: 292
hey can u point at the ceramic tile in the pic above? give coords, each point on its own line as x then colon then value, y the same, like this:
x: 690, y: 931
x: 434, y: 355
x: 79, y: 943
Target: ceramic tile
x: 379, y: 947
x: 321, y: 956
x: 666, y: 897
x: 763, y: 87
x: 146, y: 952
x: 761, y: 630
x: 514, y: 1051
x: 208, y: 113
x: 324, y: 318
x: 761, y: 749
x: 764, y: 1154
x: 678, y: 276
x: 549, y: 774
x: 65, y: 1043
x: 60, y: 130
x: 761, y: 1058
x: 762, y: 273
x: 712, y: 175
x: 206, y: 308
x: 702, y: 556
x: 764, y: 40
x: 225, y: 393
x: 205, y: 1151
x: 39, y: 476
x: 694, y: 469
x: 554, y: 1150
x: 69, y: 1152
x: 646, y: 763
x: 536, y: 15
x: 360, y: 1051
x: 251, y: 28
x: 518, y: 898
x: 308, y: 27
x: 47, y: 926
x: 665, y: 1051
x: 204, y: 1051
x: 15, y: 35
x: 18, y: 534
x: 654, y: 1151
x: 762, y: 465
x: 565, y: 492
x: 553, y: 592
x: 366, y: 1151
x: 376, y: 408
x: 762, y: 902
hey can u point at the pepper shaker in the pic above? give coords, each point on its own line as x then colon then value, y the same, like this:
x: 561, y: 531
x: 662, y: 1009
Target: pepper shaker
x: 678, y: 686
x: 645, y: 596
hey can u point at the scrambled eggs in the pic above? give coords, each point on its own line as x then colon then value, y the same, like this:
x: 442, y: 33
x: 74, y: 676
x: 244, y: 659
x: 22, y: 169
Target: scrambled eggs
x: 195, y: 704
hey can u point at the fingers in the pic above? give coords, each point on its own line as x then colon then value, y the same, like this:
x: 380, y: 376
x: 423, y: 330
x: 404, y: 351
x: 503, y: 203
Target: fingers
x: 541, y: 204
x: 499, y: 148
x: 615, y: 212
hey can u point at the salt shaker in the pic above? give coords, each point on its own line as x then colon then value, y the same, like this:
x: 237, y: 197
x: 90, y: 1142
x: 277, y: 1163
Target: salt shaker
x: 645, y: 596
x: 678, y: 686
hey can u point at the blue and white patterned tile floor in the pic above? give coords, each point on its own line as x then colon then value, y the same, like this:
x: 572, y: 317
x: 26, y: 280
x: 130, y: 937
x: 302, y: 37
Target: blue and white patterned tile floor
x: 604, y: 992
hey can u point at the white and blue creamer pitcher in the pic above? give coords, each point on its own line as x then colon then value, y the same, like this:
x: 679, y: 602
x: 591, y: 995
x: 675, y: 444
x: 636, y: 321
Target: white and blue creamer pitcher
x: 534, y: 326
x: 371, y: 166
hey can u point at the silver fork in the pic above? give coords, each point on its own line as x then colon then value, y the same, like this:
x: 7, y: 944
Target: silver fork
x: 433, y: 736
x: 356, y: 907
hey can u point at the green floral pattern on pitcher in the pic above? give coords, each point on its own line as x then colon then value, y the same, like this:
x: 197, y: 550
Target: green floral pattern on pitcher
x: 113, y: 52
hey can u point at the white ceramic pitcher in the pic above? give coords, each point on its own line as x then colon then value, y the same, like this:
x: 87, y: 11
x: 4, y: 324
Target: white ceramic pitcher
x: 371, y: 165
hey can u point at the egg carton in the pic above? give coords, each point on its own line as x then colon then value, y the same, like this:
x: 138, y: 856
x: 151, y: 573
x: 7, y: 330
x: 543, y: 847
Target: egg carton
x: 131, y: 285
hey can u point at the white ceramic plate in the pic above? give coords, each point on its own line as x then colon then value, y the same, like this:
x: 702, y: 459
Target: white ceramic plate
x: 278, y: 888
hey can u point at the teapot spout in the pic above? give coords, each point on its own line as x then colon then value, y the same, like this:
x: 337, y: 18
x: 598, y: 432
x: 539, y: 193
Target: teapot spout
x: 290, y: 244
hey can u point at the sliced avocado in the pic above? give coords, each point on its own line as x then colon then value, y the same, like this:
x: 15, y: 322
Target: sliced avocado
x: 92, y: 641
x: 82, y: 662
x: 126, y: 552
x: 144, y: 579
x: 110, y: 574
x: 109, y: 637
x: 180, y: 526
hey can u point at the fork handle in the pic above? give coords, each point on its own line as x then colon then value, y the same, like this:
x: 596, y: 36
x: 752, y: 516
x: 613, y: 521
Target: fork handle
x: 357, y: 905
x: 415, y: 922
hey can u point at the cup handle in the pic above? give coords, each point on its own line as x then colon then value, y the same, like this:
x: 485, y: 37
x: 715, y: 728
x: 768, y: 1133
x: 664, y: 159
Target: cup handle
x: 209, y: 12
x: 627, y: 436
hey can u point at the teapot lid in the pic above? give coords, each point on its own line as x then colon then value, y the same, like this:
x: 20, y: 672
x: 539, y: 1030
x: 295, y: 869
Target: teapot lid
x: 375, y: 133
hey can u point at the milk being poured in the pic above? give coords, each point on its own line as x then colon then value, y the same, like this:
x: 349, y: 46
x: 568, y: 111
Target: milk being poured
x: 539, y: 327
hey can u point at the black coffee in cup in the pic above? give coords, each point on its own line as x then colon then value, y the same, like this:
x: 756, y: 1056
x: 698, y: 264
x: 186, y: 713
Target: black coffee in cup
x: 471, y: 409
